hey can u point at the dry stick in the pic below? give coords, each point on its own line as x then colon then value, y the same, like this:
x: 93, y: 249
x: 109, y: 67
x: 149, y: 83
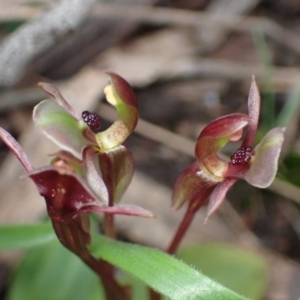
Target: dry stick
x: 211, y: 37
x: 37, y: 35
x: 168, y: 16
x: 13, y: 12
x: 284, y: 78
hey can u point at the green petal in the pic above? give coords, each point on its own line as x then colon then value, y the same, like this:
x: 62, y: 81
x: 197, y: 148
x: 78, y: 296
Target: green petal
x: 121, y: 96
x: 264, y: 163
x: 59, y: 126
x: 117, y: 169
x: 92, y: 175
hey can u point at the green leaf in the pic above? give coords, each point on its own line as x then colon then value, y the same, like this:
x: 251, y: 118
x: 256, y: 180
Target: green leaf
x: 25, y: 236
x: 51, y: 272
x: 237, y: 269
x: 162, y: 272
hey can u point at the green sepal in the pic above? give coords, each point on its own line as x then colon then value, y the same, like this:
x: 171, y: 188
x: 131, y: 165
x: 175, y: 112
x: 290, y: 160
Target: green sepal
x: 61, y: 127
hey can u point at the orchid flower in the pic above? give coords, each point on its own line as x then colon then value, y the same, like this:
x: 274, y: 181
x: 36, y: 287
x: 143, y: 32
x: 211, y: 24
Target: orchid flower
x: 211, y: 177
x: 92, y: 170
x: 74, y: 133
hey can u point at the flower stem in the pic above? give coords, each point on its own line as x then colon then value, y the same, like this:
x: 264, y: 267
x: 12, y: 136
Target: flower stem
x: 154, y: 295
x: 72, y: 235
x: 183, y: 226
x: 109, y: 226
x: 113, y: 289
x: 108, y: 221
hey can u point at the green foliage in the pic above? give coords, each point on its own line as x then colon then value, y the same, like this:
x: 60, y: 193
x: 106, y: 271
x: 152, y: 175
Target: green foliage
x: 9, y: 27
x: 25, y: 236
x: 51, y: 272
x: 162, y: 272
x: 235, y: 268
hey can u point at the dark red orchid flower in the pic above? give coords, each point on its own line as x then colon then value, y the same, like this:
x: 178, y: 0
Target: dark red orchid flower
x: 72, y: 133
x: 92, y: 170
x: 211, y: 177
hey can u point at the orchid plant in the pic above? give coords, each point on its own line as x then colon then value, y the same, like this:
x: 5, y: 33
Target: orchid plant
x: 89, y: 174
x: 93, y: 169
x: 211, y: 177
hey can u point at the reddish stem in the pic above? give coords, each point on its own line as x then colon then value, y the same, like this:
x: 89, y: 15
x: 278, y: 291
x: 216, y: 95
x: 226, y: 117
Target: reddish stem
x: 109, y: 222
x: 106, y: 272
x: 74, y: 238
x: 154, y: 295
x: 109, y: 226
x: 182, y: 228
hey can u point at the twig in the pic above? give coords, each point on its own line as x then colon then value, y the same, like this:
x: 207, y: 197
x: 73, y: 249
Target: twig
x: 37, y: 35
x: 284, y: 78
x: 154, y: 132
x: 188, y: 67
x: 19, y: 98
x: 12, y: 12
x: 167, y: 16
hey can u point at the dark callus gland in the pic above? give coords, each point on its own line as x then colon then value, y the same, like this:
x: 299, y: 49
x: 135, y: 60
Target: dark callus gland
x: 242, y: 156
x: 92, y: 120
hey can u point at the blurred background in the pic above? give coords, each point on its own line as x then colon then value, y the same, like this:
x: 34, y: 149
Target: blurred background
x: 189, y: 62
